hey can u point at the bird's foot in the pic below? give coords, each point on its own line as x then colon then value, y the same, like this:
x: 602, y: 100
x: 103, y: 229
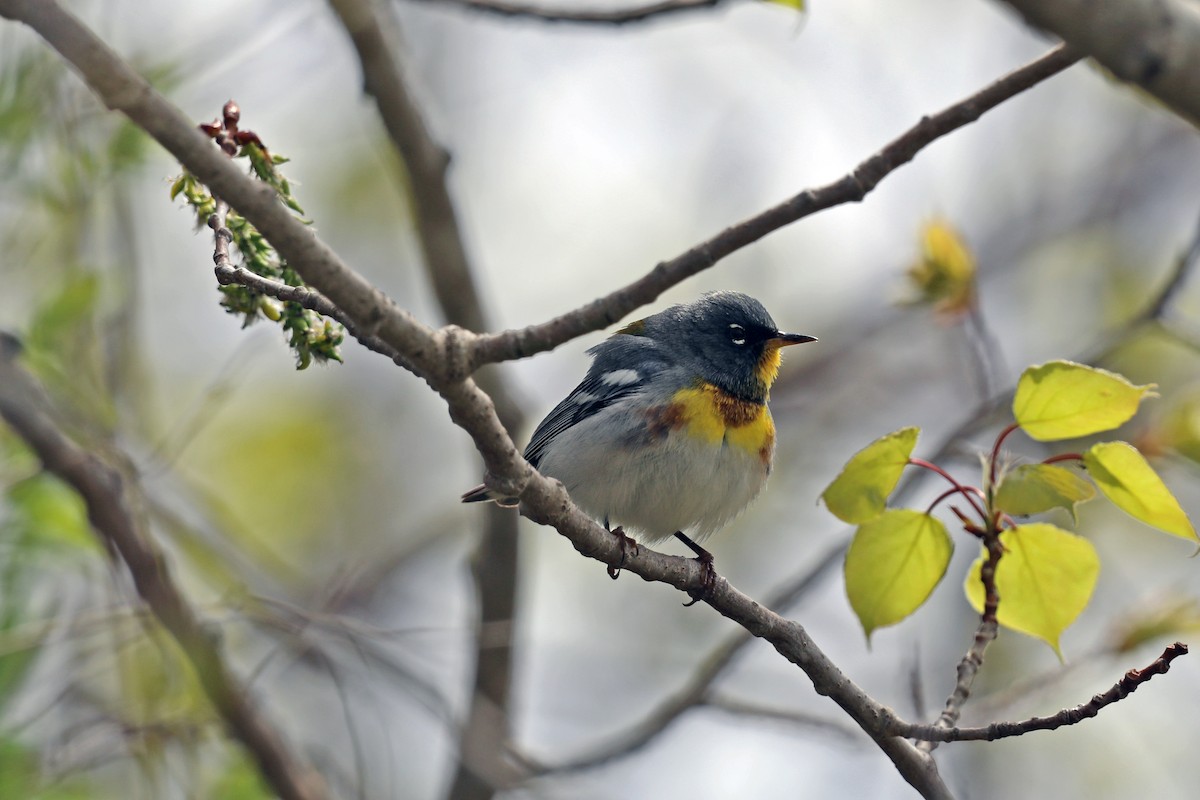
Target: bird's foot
x: 706, y: 563
x: 627, y: 543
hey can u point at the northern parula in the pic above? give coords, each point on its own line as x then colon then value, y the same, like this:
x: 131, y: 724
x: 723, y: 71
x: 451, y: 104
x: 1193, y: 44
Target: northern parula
x: 670, y: 430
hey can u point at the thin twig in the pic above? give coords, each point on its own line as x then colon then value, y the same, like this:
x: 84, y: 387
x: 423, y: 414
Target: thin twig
x: 592, y: 16
x: 229, y: 273
x: 1068, y: 716
x: 985, y: 634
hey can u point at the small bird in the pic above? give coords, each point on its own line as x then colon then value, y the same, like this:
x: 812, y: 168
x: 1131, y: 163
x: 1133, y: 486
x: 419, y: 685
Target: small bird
x: 669, y: 430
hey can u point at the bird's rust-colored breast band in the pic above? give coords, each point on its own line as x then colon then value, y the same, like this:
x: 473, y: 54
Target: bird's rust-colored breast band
x: 707, y: 413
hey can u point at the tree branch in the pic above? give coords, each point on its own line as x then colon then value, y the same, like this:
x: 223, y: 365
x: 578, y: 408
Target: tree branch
x: 111, y: 511
x: 851, y: 188
x: 1152, y: 43
x: 1068, y: 716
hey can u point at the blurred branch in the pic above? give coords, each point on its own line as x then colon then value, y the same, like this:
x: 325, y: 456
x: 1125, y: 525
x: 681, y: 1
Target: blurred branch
x: 487, y: 729
x: 1152, y: 43
x: 112, y: 511
x: 1155, y: 312
x: 801, y: 719
x: 1068, y: 716
x: 1182, y: 270
x: 604, y: 16
x: 699, y: 685
x: 851, y: 188
x: 295, y: 622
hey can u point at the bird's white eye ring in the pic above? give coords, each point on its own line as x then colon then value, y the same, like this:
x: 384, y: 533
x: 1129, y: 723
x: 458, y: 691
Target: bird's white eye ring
x: 738, y: 333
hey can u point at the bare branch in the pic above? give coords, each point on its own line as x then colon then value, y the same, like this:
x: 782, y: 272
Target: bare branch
x: 1152, y: 43
x: 800, y: 719
x: 853, y: 187
x: 603, y: 16
x: 701, y: 681
x: 111, y: 511
x: 1068, y: 716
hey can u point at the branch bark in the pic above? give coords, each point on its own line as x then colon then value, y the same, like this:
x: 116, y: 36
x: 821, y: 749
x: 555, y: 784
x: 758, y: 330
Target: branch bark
x: 1154, y: 44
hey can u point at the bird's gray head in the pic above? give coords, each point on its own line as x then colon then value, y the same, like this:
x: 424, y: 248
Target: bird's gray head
x: 727, y: 338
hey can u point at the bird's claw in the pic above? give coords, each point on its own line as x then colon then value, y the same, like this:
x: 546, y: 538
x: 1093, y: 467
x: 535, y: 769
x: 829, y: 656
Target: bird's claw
x: 626, y: 543
x: 709, y: 583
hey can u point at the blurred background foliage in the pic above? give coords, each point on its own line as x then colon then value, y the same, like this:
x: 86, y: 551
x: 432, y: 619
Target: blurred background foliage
x: 313, y: 516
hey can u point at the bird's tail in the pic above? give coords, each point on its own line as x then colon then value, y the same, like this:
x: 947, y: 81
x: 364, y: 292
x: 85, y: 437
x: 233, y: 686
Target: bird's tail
x: 482, y: 493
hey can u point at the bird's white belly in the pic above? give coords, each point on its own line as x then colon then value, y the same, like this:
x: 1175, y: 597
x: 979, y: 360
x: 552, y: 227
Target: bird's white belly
x: 676, y: 483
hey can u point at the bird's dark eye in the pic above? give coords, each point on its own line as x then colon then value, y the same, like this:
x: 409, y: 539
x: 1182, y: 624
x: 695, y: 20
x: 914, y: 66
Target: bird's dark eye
x: 737, y: 333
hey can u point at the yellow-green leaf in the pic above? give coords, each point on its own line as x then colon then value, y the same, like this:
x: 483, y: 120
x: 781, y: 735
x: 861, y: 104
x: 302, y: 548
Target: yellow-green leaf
x: 861, y: 490
x: 1125, y: 477
x: 894, y: 562
x: 796, y: 4
x: 1065, y: 400
x: 1045, y: 579
x: 1035, y: 488
x: 944, y: 274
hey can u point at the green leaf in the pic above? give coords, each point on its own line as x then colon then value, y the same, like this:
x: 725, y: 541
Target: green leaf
x: 1124, y: 476
x: 1045, y: 579
x: 894, y: 562
x: 861, y: 490
x: 796, y: 4
x: 1065, y: 400
x: 1035, y: 488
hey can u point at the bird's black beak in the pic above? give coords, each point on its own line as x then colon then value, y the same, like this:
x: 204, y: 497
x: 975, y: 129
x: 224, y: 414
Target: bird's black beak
x: 781, y: 339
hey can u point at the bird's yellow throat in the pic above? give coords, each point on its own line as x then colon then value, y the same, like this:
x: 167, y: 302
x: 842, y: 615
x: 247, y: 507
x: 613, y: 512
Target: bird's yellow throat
x: 707, y: 413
